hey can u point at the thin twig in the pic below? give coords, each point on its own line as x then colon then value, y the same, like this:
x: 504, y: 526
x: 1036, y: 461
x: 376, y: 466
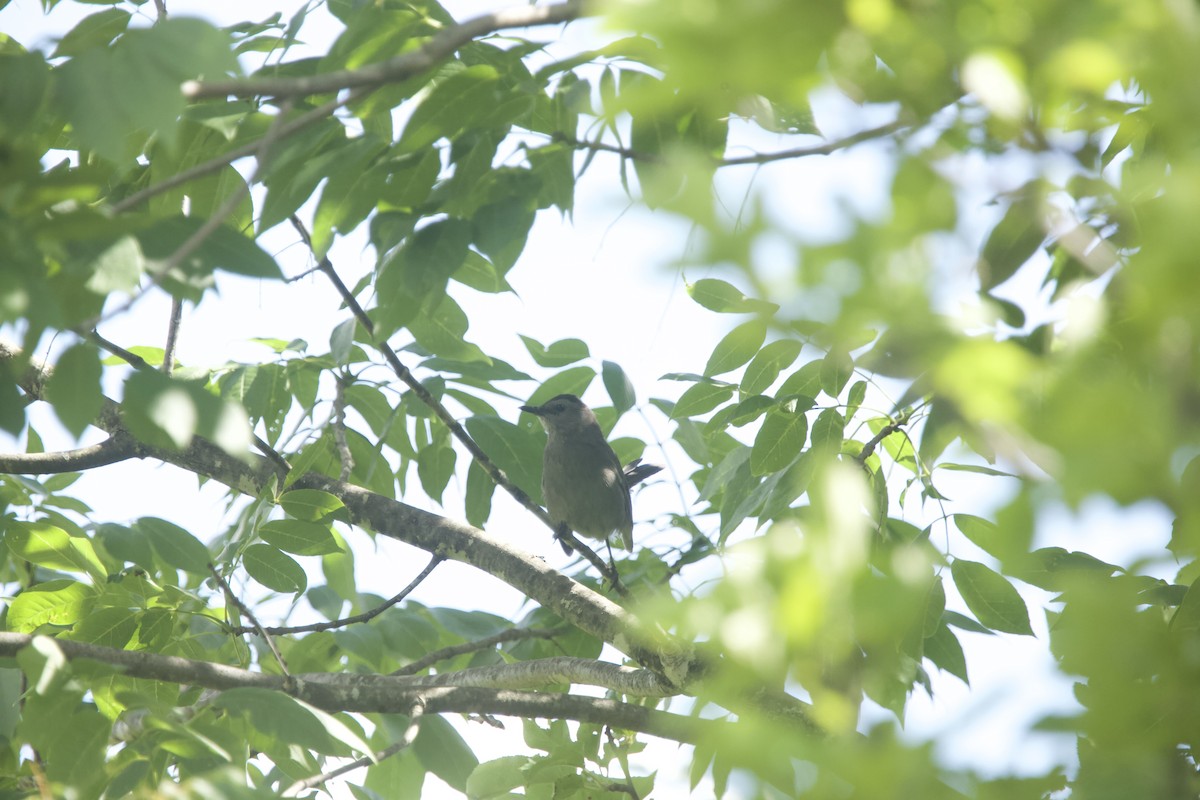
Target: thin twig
x: 245, y: 610
x: 873, y: 442
x: 410, y: 734
x: 456, y: 429
x: 172, y: 335
x: 623, y: 760
x: 212, y: 165
x: 757, y: 158
x: 206, y: 229
x: 339, y: 428
x: 137, y: 362
x: 366, y: 616
x: 395, y: 69
x: 512, y: 635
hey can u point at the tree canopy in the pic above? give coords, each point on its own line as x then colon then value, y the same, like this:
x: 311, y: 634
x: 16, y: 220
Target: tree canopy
x: 1020, y: 310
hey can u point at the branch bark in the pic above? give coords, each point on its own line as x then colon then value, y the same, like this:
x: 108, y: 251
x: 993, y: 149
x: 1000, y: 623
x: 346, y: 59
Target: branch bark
x: 395, y: 69
x: 379, y: 694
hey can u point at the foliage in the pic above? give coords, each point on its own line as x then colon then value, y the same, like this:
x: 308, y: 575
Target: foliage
x: 128, y: 159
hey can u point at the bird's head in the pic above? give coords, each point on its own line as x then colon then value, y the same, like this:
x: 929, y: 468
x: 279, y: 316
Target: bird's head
x: 563, y: 414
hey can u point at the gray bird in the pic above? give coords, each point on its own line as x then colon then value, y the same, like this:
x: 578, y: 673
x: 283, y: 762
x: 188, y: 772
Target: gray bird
x: 583, y: 483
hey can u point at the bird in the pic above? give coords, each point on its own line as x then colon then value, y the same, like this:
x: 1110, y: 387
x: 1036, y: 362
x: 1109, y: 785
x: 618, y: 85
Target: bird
x: 585, y: 488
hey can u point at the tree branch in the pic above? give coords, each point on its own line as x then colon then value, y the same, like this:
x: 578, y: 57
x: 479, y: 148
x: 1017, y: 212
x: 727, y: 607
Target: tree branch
x: 213, y: 164
x: 116, y: 448
x: 400, y: 68
x: 366, y: 616
x: 383, y: 694
x: 456, y: 429
x: 757, y: 158
x: 512, y: 635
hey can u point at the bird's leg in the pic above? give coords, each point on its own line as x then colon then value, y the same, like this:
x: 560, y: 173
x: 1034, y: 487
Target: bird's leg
x: 561, y: 532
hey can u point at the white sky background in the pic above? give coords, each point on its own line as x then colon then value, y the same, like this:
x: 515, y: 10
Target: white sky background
x: 630, y: 306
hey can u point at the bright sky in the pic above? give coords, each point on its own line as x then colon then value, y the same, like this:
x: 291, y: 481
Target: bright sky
x: 605, y: 279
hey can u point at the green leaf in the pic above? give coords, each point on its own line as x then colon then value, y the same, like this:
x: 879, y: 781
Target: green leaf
x: 109, y: 627
x: 166, y: 412
x: 738, y: 347
x: 58, y: 602
x: 224, y: 249
x: 274, y: 569
x: 174, y: 545
x: 717, y: 295
x: 512, y: 449
x: 473, y: 97
x: 52, y: 547
x: 1013, y: 241
x: 74, y: 387
x: 441, y: 332
x: 444, y: 752
x: 299, y: 537
x: 700, y: 399
x: 836, y: 370
x: 619, y: 387
x: 805, y: 381
x: 574, y: 381
x: 828, y: 430
x: 991, y: 598
x: 415, y: 276
x: 559, y: 354
x: 497, y: 777
x: 480, y: 488
x: 435, y: 467
x: 945, y: 651
x: 96, y: 30
x: 279, y: 717
x: 311, y: 505
x: 779, y: 441
x: 983, y: 533
x: 766, y: 365
x: 157, y: 61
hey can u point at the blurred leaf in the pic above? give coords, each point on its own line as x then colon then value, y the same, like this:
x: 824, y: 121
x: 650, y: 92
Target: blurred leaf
x: 618, y: 385
x: 558, y: 354
x: 74, y: 387
x: 299, y: 537
x: 174, y: 545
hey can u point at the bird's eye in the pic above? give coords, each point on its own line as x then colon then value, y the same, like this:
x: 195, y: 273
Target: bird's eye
x: 559, y: 408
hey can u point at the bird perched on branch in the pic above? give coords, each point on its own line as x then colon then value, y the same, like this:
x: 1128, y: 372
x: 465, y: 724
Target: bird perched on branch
x: 585, y: 487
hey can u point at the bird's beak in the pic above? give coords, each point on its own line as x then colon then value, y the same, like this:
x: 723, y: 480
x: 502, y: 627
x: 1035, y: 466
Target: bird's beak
x: 537, y: 411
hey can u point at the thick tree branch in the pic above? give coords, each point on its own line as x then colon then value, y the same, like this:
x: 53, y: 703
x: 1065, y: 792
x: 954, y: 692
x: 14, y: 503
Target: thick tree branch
x: 400, y: 68
x: 677, y: 662
x: 382, y: 694
x: 116, y: 448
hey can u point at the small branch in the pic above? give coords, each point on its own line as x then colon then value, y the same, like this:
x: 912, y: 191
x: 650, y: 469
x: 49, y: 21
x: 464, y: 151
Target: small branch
x: 513, y: 635
x: 540, y: 673
x: 456, y: 429
x: 623, y: 760
x: 116, y: 448
x: 206, y: 229
x: 757, y: 158
x: 172, y: 335
x: 212, y: 165
x: 345, y: 457
x: 410, y: 734
x: 884, y: 432
x: 366, y: 616
x: 397, y: 69
x: 248, y: 614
